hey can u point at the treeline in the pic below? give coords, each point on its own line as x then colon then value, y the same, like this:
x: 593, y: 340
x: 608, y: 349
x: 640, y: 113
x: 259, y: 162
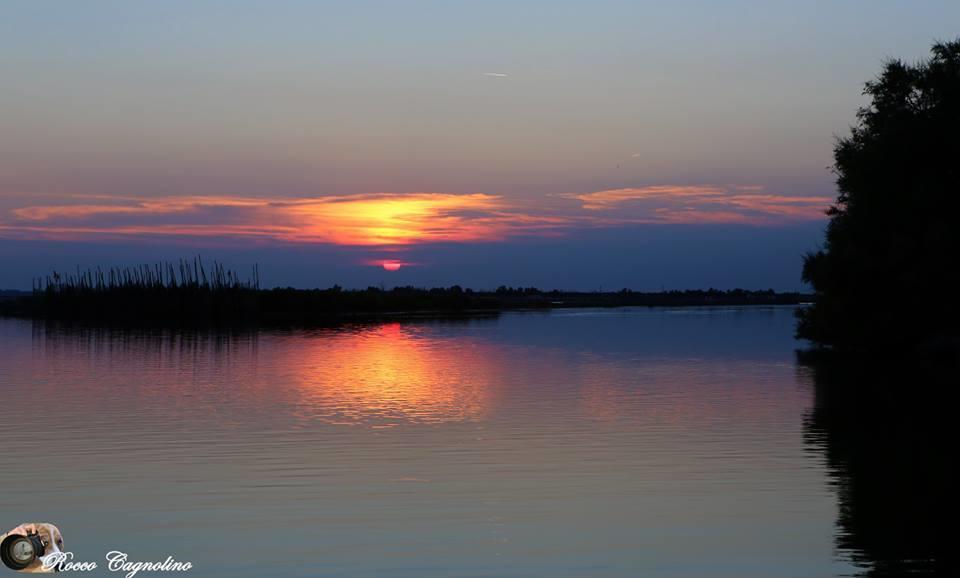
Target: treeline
x: 628, y: 297
x: 192, y: 293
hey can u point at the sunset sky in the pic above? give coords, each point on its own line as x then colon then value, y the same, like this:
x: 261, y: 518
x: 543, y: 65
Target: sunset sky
x: 578, y: 145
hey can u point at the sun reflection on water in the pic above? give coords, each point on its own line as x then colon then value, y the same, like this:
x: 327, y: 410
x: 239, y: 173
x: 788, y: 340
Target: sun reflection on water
x: 391, y: 374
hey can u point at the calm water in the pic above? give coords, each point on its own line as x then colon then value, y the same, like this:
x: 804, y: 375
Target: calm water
x: 674, y: 443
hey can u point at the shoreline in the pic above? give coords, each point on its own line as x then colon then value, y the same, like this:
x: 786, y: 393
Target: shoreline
x: 252, y: 308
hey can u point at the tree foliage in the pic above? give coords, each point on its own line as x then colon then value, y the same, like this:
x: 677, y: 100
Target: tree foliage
x: 887, y: 275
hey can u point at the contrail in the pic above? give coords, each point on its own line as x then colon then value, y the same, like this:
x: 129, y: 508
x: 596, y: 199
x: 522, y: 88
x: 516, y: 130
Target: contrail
x: 497, y: 74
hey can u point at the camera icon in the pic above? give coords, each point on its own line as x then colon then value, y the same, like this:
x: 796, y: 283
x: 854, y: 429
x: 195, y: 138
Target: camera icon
x: 25, y: 547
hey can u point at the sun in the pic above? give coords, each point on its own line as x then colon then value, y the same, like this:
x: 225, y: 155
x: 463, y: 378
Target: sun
x: 388, y: 264
x: 392, y: 265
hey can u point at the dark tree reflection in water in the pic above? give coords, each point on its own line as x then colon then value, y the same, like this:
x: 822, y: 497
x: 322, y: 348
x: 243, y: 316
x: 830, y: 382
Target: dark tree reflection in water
x: 885, y: 430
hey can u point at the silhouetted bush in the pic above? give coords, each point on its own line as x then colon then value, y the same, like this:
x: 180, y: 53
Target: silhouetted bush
x: 887, y: 276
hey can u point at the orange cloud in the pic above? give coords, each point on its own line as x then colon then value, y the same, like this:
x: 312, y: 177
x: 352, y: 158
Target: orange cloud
x: 611, y: 198
x: 380, y: 219
x: 398, y: 220
x: 702, y: 204
x: 155, y: 206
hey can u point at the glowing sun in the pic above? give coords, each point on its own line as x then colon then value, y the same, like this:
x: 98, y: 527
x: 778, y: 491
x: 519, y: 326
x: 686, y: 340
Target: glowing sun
x: 392, y: 265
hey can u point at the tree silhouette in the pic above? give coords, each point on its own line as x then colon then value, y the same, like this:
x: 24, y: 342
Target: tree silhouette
x: 887, y: 277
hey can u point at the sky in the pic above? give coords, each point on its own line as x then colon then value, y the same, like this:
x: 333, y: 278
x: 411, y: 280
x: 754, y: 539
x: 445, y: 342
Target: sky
x: 572, y: 145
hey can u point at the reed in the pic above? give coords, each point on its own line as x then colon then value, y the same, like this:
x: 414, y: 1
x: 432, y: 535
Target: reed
x: 165, y: 276
x: 185, y: 292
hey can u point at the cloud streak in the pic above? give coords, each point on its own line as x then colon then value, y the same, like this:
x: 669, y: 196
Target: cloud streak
x: 398, y: 220
x: 703, y: 204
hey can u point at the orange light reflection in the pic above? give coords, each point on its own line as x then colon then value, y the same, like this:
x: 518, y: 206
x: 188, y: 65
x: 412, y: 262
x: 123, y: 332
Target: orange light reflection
x: 391, y: 374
